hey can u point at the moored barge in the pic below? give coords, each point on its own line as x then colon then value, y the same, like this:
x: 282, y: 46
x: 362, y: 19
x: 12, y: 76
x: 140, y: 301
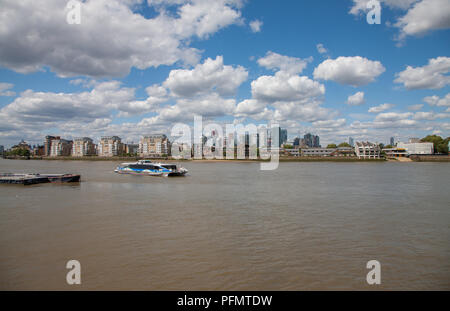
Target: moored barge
x: 32, y: 179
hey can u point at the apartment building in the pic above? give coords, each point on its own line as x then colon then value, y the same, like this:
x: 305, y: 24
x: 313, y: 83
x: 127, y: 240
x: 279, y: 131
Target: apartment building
x: 110, y: 146
x: 132, y: 148
x: 83, y: 146
x: 48, y: 144
x: 366, y: 150
x: 154, y: 146
x: 60, y: 147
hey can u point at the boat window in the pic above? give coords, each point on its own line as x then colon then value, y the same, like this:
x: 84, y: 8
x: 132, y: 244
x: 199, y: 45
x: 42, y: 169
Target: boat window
x: 170, y: 167
x: 142, y: 167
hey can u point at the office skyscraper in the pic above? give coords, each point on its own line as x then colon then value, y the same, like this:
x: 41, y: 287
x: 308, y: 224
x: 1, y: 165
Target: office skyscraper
x: 283, y: 136
x: 312, y: 141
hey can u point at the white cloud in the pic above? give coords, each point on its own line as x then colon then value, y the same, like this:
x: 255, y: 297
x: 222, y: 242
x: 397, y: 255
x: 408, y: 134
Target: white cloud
x: 437, y: 101
x: 415, y: 107
x: 356, y: 99
x: 423, y: 17
x: 360, y: 6
x: 40, y: 110
x: 305, y: 112
x: 445, y: 126
x: 285, y: 96
x: 291, y: 65
x: 381, y: 108
x: 209, y: 106
x: 386, y: 124
x: 431, y: 76
x: 5, y: 89
x: 249, y: 107
x: 329, y: 124
x: 256, y: 25
x: 285, y: 87
x: 355, y: 71
x: 393, y: 116
x: 111, y: 38
x: 212, y: 105
x: 321, y: 49
x: 204, y: 78
x: 430, y: 115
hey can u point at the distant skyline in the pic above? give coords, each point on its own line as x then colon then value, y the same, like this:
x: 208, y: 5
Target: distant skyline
x: 135, y: 67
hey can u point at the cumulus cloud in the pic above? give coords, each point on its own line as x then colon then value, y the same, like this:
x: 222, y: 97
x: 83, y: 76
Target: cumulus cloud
x: 388, y: 120
x: 207, y: 90
x: 437, y: 101
x: 423, y: 17
x: 355, y: 71
x: 285, y: 96
x: 212, y: 105
x: 48, y: 107
x: 305, y: 112
x: 393, y: 116
x: 388, y: 124
x: 329, y: 124
x: 431, y: 76
x: 209, y: 106
x: 204, y: 78
x: 356, y: 99
x: 381, y: 108
x: 321, y: 49
x: 415, y: 107
x: 430, y: 115
x: 256, y: 25
x: 5, y: 89
x: 249, y: 107
x: 285, y: 87
x: 291, y: 65
x: 111, y: 38
x: 360, y: 6
x: 204, y: 90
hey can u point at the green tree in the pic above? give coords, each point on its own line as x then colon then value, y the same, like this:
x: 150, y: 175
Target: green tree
x: 344, y: 145
x: 331, y: 146
x: 440, y: 145
x: 443, y: 147
x: 23, y: 152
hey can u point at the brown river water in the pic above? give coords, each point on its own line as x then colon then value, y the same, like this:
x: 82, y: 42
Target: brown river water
x: 228, y: 226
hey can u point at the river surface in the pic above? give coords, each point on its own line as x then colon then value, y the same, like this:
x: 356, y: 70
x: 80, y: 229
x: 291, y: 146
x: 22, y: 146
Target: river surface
x: 228, y: 226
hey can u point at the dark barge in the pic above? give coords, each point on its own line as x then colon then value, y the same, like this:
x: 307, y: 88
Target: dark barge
x: 31, y: 179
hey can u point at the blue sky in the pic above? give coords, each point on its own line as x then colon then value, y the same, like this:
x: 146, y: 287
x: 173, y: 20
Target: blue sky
x: 134, y: 67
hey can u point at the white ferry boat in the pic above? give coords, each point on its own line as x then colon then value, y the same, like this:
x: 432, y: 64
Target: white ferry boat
x: 147, y: 167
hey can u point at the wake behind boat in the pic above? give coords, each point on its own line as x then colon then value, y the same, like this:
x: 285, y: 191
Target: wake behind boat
x: 147, y: 167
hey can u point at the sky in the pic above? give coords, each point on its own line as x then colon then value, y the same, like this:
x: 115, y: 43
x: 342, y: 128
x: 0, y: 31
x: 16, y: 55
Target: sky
x: 136, y: 67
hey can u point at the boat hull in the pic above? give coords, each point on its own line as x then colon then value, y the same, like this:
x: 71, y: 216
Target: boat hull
x: 64, y: 178
x: 140, y: 173
x: 148, y: 168
x: 176, y: 174
x: 32, y: 179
